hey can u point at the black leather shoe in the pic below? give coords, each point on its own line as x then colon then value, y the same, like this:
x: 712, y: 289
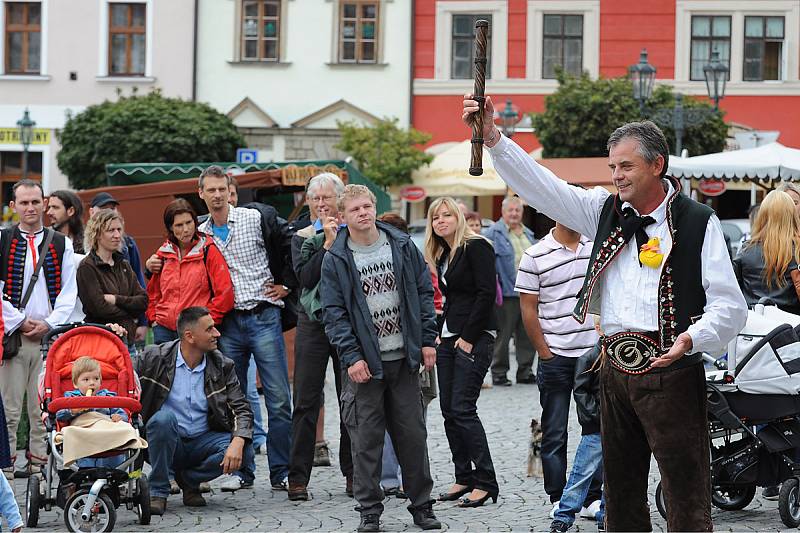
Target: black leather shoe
x: 453, y: 496
x: 530, y: 380
x: 424, y: 517
x: 370, y: 522
x: 502, y: 382
x: 466, y: 502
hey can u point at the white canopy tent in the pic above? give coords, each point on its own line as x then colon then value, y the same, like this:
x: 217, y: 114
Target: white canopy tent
x: 448, y: 174
x: 769, y: 163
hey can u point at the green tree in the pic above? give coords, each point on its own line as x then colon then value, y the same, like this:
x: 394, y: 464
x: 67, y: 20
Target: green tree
x: 582, y: 113
x: 385, y: 153
x: 143, y: 128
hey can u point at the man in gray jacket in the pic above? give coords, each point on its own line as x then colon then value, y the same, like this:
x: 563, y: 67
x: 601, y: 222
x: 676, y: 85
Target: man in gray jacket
x: 377, y: 307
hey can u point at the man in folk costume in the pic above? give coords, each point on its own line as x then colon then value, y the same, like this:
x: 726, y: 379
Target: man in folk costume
x: 662, y: 283
x: 49, y: 304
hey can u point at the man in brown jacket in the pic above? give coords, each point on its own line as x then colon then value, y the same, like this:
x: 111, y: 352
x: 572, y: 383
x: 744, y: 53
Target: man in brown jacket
x: 198, y: 422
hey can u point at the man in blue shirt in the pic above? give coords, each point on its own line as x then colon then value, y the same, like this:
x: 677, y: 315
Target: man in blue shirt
x: 197, y: 420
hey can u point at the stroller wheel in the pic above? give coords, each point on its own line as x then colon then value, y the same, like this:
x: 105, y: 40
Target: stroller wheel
x: 143, y: 500
x: 102, y: 516
x: 789, y: 502
x: 33, y: 499
x: 732, y: 498
x: 660, y: 505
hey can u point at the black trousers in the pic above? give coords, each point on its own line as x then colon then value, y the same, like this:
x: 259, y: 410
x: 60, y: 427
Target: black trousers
x: 664, y: 414
x: 393, y: 404
x: 311, y: 355
x: 460, y: 377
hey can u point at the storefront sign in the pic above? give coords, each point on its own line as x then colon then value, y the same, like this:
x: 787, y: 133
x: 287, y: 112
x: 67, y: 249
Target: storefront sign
x: 297, y: 176
x: 413, y: 193
x: 711, y: 187
x: 11, y: 136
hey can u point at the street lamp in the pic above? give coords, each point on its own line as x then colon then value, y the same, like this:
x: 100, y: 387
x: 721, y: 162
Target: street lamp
x: 509, y: 118
x: 716, y: 74
x: 25, y: 125
x: 643, y: 75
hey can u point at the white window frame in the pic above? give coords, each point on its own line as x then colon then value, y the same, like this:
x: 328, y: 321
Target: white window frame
x: 43, y: 72
x: 380, y: 58
x: 537, y: 9
x: 738, y: 10
x: 102, y: 66
x: 444, y: 35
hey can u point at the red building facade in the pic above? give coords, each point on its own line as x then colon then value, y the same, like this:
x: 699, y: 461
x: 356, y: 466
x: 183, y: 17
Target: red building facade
x: 758, y: 39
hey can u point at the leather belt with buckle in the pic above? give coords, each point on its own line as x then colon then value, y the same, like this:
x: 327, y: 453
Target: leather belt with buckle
x: 630, y: 351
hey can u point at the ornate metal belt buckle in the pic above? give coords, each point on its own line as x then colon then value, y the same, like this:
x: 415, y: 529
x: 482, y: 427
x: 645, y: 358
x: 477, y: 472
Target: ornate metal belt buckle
x: 631, y: 352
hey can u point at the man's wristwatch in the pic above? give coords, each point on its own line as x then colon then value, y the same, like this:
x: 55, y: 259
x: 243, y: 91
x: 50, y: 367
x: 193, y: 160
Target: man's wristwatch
x: 287, y: 289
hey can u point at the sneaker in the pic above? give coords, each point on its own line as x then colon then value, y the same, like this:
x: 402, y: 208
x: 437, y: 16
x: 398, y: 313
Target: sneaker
x: 281, y: 485
x: 591, y: 511
x: 322, y: 455
x: 771, y: 493
x: 370, y: 522
x: 552, y: 513
x: 558, y: 527
x: 205, y: 487
x: 173, y: 487
x: 231, y: 483
x: 424, y: 517
x: 601, y: 524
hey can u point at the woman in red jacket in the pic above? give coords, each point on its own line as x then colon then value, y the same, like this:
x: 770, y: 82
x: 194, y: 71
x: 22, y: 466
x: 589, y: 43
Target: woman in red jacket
x: 194, y: 273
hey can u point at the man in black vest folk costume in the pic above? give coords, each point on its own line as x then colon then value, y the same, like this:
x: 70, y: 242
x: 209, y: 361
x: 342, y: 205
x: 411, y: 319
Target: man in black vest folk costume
x: 662, y: 283
x: 48, y: 304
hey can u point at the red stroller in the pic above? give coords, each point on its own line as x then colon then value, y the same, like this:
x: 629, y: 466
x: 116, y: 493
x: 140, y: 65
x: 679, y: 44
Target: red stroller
x: 89, y: 496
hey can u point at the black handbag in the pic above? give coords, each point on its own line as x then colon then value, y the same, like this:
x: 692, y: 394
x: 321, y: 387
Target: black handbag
x: 13, y: 341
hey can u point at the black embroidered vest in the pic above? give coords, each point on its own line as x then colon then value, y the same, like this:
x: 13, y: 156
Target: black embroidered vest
x: 13, y: 251
x: 681, y: 296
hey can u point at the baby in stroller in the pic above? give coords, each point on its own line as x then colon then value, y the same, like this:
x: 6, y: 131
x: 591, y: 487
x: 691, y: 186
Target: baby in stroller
x: 87, y: 377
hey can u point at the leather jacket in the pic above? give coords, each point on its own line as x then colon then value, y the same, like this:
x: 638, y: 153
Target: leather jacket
x: 228, y: 410
x: 749, y: 266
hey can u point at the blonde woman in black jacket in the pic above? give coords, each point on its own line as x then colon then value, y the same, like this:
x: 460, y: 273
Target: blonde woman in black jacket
x: 466, y: 268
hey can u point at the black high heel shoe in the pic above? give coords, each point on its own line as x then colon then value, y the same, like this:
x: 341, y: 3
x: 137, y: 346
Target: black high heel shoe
x: 453, y: 496
x: 466, y: 502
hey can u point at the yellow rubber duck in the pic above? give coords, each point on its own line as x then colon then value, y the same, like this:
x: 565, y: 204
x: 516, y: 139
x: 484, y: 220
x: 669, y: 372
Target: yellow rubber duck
x: 650, y: 253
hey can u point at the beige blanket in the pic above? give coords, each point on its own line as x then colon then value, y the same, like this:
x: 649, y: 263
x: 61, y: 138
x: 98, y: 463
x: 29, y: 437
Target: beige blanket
x: 92, y: 433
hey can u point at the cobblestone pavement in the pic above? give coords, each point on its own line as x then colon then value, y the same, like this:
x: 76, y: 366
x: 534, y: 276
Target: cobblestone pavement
x: 522, y: 506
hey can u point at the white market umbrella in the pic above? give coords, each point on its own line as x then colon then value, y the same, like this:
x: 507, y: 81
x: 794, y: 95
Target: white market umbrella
x: 448, y: 174
x: 771, y: 162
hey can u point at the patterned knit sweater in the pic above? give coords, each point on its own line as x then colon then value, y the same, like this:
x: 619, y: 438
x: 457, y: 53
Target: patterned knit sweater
x: 375, y: 267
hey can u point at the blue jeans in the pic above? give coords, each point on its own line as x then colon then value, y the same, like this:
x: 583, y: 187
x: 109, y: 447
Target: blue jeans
x: 588, y: 460
x: 556, y: 378
x: 259, y: 435
x: 391, y: 475
x: 108, y: 462
x: 196, y: 459
x: 162, y: 334
x: 260, y: 334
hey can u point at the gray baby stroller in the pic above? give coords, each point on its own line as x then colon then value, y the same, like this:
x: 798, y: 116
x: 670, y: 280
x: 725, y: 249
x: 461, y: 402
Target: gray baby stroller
x: 753, y: 410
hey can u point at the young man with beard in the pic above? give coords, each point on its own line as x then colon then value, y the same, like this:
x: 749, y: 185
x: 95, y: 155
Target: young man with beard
x: 65, y: 214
